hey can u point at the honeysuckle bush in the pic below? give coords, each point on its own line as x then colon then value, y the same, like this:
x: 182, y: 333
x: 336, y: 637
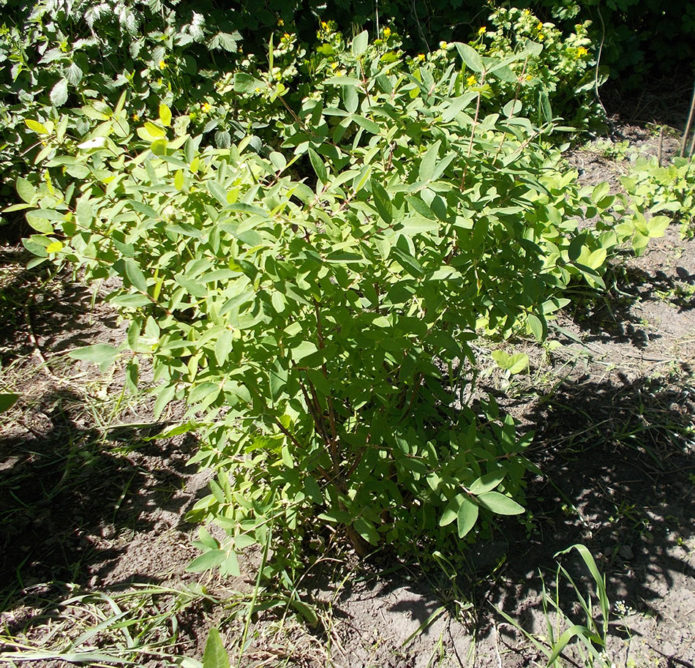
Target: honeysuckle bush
x: 549, y: 74
x: 315, y: 304
x: 56, y: 54
x: 559, y: 74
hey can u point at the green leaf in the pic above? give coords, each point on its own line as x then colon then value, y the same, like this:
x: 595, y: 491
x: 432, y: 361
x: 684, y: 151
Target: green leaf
x: 369, y: 126
x: 164, y: 396
x: 25, y: 190
x: 382, y: 202
x: 360, y: 44
x: 457, y: 105
x: 154, y: 130
x: 470, y: 57
x: 230, y: 566
x: 305, y: 611
x: 245, y: 83
x: 7, y: 400
x: 59, y: 93
x: 487, y: 482
x: 318, y: 166
x: 304, y: 349
x: 206, y: 561
x: 537, y: 326
x: 38, y: 222
x: 408, y: 262
x: 366, y: 529
x: 500, y: 504
x: 466, y: 517
x: 135, y: 275
x: 215, y: 655
x: 40, y: 128
x: 450, y: 512
x: 218, y: 192
x: 224, y: 346
x: 130, y: 301
x: 512, y: 363
x: 164, y: 115
x: 74, y: 74
x: 100, y: 353
x: 429, y: 162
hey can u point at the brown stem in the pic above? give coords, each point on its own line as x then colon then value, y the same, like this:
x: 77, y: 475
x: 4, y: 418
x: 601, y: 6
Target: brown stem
x: 473, y: 128
x: 688, y: 125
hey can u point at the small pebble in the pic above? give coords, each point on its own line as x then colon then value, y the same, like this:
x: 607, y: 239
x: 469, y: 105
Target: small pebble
x: 108, y: 531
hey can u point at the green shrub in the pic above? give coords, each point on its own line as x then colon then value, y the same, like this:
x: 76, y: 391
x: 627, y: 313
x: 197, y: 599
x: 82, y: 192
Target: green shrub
x: 643, y: 41
x: 560, y: 73
x: 55, y: 55
x: 314, y: 302
x: 666, y: 190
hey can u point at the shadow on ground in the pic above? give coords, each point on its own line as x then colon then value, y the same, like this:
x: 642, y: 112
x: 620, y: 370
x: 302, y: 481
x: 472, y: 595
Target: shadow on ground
x: 618, y: 460
x: 616, y: 316
x: 59, y: 314
x: 76, y: 493
x: 66, y: 492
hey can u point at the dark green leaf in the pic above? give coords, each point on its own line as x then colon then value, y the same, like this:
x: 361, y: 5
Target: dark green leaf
x: 318, y: 166
x: 7, y: 400
x: 382, y: 202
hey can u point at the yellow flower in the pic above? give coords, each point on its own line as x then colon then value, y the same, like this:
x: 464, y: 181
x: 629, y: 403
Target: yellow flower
x: 528, y: 77
x: 443, y: 45
x: 387, y: 32
x: 136, y: 118
x: 281, y: 22
x: 162, y: 65
x: 471, y: 81
x: 541, y: 36
x: 159, y: 82
x: 324, y: 25
x: 421, y: 56
x: 334, y: 65
x: 205, y: 107
x: 287, y: 37
x: 482, y: 30
x: 526, y: 12
x: 539, y: 26
x: 581, y: 51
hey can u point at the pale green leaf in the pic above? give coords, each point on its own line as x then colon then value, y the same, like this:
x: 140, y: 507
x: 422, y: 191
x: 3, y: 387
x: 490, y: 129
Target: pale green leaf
x: 500, y: 504
x: 59, y: 93
x: 466, y: 517
x: 360, y: 44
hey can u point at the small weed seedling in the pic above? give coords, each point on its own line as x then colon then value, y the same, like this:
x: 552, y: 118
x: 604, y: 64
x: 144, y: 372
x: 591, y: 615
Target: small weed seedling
x: 588, y: 637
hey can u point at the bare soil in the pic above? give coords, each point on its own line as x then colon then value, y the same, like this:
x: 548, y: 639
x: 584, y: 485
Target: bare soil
x: 88, y: 503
